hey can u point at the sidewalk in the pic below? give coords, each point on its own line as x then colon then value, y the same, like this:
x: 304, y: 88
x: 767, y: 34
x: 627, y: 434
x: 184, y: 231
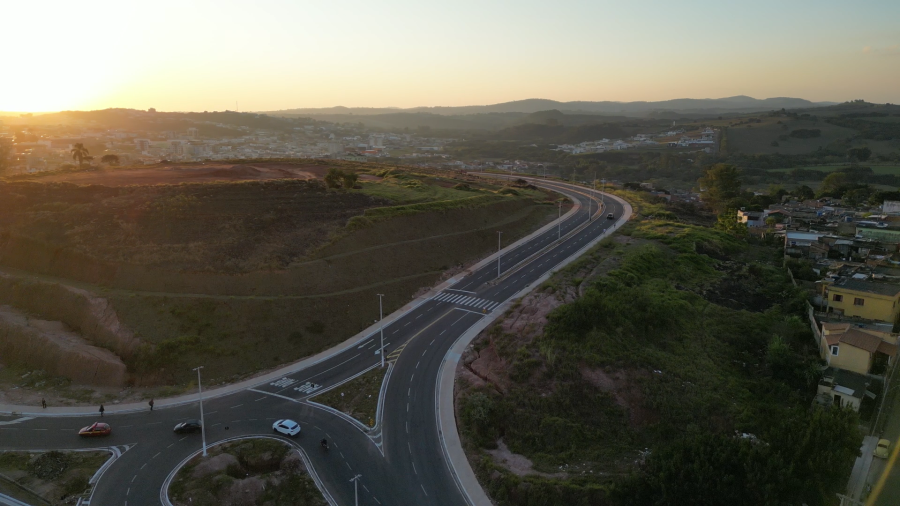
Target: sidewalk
x: 446, y: 414
x: 18, y: 410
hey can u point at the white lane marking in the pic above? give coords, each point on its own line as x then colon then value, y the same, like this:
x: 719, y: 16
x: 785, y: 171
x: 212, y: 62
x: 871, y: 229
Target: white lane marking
x: 132, y: 478
x: 409, y: 447
x: 237, y: 406
x: 185, y: 437
x: 442, y: 332
x: 407, y: 407
x: 417, y: 365
x: 261, y: 398
x: 417, y: 317
x: 171, y: 445
x: 458, y: 290
x: 283, y: 382
x: 423, y: 489
x: 414, y: 467
x: 153, y: 457
x: 143, y: 466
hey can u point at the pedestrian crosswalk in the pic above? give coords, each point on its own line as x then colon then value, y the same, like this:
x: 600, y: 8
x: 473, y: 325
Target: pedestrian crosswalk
x: 308, y: 387
x: 466, y: 300
x: 283, y: 382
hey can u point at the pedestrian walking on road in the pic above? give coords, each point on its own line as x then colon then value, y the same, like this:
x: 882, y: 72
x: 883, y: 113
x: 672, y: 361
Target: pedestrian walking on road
x: 43, y: 403
x: 151, y: 404
x: 101, y: 410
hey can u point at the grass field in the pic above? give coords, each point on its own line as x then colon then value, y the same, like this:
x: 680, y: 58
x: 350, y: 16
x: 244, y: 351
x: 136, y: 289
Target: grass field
x: 246, y: 276
x: 358, y: 397
x: 877, y: 169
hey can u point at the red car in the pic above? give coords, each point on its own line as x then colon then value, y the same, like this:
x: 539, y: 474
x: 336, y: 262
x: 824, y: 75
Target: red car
x: 98, y: 429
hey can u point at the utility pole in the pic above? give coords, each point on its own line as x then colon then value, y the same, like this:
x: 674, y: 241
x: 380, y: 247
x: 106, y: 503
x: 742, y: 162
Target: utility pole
x: 499, y: 233
x: 381, y: 324
x: 202, y: 421
x: 559, y: 222
x: 355, y: 481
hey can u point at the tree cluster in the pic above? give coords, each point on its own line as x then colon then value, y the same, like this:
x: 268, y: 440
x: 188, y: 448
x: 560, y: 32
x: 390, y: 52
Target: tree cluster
x: 336, y: 178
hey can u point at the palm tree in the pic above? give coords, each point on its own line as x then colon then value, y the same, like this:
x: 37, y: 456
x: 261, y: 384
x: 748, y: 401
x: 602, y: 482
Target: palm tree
x: 80, y: 153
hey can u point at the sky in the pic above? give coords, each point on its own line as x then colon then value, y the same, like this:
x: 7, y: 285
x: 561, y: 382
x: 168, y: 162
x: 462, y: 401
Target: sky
x: 263, y: 55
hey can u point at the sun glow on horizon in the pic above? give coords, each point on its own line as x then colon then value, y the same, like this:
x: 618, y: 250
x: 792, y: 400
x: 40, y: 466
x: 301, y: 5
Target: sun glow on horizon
x: 275, y: 54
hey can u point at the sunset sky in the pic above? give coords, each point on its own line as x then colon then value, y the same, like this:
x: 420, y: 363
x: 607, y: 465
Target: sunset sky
x: 278, y: 54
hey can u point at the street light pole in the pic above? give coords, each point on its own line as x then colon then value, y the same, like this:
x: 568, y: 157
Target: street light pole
x: 355, y: 481
x: 202, y: 421
x: 499, y: 233
x: 381, y: 324
x: 559, y: 222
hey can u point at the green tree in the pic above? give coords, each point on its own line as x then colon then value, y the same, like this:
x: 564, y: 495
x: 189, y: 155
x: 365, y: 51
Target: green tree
x: 804, y: 192
x: 334, y: 178
x: 349, y: 179
x: 835, y: 184
x: 860, y: 154
x: 80, y: 153
x: 110, y: 159
x: 721, y: 184
x: 727, y: 222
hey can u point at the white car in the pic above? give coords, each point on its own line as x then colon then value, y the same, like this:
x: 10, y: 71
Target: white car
x: 286, y: 427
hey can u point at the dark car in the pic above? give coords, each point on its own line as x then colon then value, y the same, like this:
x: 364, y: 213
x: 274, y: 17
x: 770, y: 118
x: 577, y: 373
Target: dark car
x: 97, y: 429
x: 188, y: 426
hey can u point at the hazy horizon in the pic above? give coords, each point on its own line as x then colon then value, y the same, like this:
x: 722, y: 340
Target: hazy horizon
x: 203, y: 55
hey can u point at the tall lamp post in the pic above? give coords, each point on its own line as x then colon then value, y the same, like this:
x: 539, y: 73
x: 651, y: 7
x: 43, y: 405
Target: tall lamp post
x: 202, y: 421
x: 355, y: 481
x: 499, y: 234
x: 381, y: 324
x: 559, y: 222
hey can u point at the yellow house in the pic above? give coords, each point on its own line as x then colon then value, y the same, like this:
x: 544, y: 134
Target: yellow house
x: 864, y: 299
x: 863, y: 351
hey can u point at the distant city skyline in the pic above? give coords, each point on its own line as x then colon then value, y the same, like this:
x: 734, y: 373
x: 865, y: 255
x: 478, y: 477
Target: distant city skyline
x: 275, y: 54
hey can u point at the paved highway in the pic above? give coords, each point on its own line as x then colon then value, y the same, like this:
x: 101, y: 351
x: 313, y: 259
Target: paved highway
x: 401, y: 459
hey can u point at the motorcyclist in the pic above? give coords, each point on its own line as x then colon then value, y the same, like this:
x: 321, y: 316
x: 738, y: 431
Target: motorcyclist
x: 324, y: 443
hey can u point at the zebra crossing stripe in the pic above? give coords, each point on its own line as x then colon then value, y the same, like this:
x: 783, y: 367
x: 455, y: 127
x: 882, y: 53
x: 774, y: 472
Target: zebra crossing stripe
x: 455, y: 299
x: 482, y: 303
x: 466, y: 300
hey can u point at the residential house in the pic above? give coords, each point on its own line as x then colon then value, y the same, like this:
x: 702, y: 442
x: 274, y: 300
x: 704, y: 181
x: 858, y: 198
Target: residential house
x: 752, y: 218
x: 843, y: 389
x: 864, y: 299
x: 861, y: 350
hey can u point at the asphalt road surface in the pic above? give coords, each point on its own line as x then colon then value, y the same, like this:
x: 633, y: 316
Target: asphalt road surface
x: 401, y: 460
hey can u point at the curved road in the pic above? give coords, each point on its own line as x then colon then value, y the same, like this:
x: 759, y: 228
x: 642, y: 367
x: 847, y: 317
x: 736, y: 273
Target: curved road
x: 401, y: 460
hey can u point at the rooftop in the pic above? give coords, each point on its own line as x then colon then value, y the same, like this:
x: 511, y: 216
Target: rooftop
x: 888, y: 289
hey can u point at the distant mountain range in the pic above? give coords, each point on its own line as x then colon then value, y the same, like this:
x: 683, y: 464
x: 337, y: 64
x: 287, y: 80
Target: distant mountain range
x: 738, y: 104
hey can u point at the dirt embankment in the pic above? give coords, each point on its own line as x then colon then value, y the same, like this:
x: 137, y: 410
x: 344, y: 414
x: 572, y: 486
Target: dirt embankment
x: 76, y: 334
x: 50, y: 346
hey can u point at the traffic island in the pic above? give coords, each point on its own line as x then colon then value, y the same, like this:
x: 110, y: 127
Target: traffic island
x: 357, y: 398
x: 53, y: 478
x: 248, y: 472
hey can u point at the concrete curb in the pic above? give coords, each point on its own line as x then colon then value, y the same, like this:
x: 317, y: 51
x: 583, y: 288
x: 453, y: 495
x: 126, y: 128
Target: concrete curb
x: 448, y: 432
x: 164, y: 490
x: 282, y: 371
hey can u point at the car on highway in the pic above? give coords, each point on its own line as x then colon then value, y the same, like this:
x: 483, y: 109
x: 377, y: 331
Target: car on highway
x: 610, y: 216
x: 882, y: 449
x: 188, y: 426
x: 286, y: 427
x: 97, y: 429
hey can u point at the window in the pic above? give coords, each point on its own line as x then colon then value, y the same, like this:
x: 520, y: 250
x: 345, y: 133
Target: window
x: 837, y: 298
x: 858, y: 302
x: 834, y: 350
